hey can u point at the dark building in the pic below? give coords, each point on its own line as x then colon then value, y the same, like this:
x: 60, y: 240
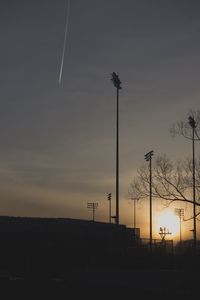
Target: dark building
x: 47, y: 244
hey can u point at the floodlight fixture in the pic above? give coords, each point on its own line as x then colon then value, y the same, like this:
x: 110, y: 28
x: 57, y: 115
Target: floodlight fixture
x: 116, y: 81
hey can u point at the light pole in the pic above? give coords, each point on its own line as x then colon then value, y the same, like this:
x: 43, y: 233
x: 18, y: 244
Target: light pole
x: 92, y: 206
x: 193, y: 125
x: 148, y: 157
x: 180, y: 213
x: 117, y: 83
x: 134, y: 215
x: 109, y: 199
x: 134, y: 211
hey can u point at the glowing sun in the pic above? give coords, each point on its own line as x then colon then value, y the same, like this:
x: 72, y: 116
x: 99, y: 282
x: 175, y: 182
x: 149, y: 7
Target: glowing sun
x: 168, y: 220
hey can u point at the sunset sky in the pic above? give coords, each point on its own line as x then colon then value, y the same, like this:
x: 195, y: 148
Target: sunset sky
x: 57, y: 142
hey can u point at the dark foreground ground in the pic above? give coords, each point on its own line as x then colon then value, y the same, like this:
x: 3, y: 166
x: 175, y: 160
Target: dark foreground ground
x: 95, y: 283
x: 161, y: 279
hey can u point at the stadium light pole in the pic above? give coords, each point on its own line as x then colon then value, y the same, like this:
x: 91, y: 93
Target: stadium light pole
x: 180, y: 213
x: 148, y: 157
x: 92, y: 206
x: 134, y: 215
x: 193, y: 125
x: 134, y: 211
x: 109, y: 199
x: 117, y: 83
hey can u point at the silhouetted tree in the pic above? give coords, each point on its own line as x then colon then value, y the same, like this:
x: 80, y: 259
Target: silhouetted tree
x: 170, y: 181
x: 173, y: 182
x: 190, y: 129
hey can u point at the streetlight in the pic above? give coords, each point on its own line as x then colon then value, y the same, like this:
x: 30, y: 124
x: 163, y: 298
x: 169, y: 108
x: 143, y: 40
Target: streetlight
x: 92, y: 206
x: 117, y: 83
x: 193, y: 125
x: 180, y: 213
x: 148, y: 157
x: 109, y: 199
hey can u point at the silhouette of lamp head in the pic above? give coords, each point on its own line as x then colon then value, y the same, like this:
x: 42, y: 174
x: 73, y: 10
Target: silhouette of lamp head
x: 192, y: 122
x: 163, y: 232
x: 116, y: 81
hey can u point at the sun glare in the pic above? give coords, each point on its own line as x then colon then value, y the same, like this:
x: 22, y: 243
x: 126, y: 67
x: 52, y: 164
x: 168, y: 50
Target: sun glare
x: 168, y: 220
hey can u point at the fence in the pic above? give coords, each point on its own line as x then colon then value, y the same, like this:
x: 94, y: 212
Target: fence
x: 158, y: 246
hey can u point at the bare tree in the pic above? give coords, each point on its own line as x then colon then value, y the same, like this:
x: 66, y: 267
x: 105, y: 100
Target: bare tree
x: 191, y: 130
x: 170, y: 181
x: 178, y: 181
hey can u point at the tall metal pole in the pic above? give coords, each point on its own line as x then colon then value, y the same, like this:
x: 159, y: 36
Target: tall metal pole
x: 117, y: 160
x: 117, y: 83
x: 180, y: 231
x: 194, y: 192
x: 92, y: 206
x: 180, y: 213
x: 109, y: 199
x: 193, y: 125
x: 134, y: 214
x: 148, y: 157
x: 134, y: 211
x: 93, y: 213
x: 110, y: 211
x: 150, y: 198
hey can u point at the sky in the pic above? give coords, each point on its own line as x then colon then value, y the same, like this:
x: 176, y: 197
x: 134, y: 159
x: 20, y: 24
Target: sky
x: 57, y: 142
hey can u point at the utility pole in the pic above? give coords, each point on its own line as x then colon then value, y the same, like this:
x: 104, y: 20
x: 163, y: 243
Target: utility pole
x: 117, y: 83
x: 148, y: 157
x: 109, y: 199
x: 193, y: 125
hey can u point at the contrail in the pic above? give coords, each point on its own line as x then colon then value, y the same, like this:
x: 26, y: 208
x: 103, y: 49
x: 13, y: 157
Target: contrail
x: 64, y: 44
